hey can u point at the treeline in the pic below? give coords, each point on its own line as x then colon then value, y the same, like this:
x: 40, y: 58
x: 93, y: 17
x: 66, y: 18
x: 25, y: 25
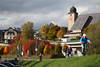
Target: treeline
x: 47, y: 31
x: 27, y: 43
x: 51, y: 32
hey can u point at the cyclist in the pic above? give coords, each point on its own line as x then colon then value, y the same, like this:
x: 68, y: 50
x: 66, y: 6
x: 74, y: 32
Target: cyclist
x: 84, y: 43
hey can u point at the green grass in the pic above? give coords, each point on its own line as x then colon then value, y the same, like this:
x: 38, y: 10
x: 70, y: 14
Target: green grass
x: 84, y: 61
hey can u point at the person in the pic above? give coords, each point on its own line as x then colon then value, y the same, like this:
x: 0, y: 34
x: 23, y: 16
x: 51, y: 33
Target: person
x: 66, y: 53
x: 84, y: 43
x: 69, y: 49
x: 40, y: 55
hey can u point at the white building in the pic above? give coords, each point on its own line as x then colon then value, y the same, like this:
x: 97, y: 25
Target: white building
x: 9, y: 33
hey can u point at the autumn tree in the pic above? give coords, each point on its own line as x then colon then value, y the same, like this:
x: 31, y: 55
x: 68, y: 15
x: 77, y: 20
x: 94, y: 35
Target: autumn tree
x: 5, y: 50
x: 65, y: 29
x: 51, y: 49
x: 49, y: 31
x: 60, y: 33
x: 41, y: 47
x: 27, y: 30
x: 93, y: 34
x: 58, y: 49
x: 64, y: 48
x: 46, y: 49
x: 53, y: 31
x: 86, y: 30
x: 44, y: 31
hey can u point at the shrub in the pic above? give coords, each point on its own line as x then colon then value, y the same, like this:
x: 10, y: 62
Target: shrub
x: 52, y: 48
x: 58, y: 49
x: 41, y: 47
x: 57, y: 56
x: 1, y: 50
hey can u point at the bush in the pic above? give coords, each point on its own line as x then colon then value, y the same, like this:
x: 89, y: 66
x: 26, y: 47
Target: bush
x: 41, y: 47
x: 57, y: 56
x: 58, y: 49
x: 1, y: 50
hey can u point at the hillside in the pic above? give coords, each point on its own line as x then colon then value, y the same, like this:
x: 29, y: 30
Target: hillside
x: 84, y: 61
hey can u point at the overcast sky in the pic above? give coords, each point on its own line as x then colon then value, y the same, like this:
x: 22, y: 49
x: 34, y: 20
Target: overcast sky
x: 17, y: 12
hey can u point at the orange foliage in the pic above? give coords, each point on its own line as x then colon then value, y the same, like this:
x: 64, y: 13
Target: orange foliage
x: 1, y: 47
x: 46, y: 49
x: 65, y: 47
x: 5, y: 50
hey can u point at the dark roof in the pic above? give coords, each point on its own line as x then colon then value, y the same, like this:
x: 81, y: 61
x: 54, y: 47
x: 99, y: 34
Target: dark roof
x: 84, y: 20
x: 18, y: 30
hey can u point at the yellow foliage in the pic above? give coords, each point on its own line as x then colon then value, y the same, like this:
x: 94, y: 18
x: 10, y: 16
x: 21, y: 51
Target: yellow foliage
x: 60, y: 33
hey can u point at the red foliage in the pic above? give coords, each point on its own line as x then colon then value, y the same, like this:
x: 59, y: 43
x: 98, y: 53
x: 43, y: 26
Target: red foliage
x: 30, y: 45
x: 11, y: 46
x: 32, y: 42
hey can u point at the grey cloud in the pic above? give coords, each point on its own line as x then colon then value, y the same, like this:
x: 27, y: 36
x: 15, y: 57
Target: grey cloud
x: 43, y: 11
x: 42, y: 6
x: 37, y: 6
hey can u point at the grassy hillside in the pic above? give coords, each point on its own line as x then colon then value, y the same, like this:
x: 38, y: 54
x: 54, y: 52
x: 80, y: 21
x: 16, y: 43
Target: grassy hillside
x: 85, y: 61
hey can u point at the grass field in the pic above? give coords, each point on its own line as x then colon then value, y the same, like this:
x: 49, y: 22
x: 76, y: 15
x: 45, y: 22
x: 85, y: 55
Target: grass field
x: 84, y: 61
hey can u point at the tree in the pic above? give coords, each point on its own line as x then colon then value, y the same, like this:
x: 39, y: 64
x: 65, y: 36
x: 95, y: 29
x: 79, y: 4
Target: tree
x: 87, y: 28
x: 58, y: 49
x: 44, y: 31
x: 5, y: 50
x: 51, y: 49
x: 32, y: 47
x: 93, y: 34
x: 41, y: 47
x: 1, y: 50
x: 46, y: 50
x: 27, y: 30
x: 49, y: 31
x: 65, y: 47
x: 53, y: 31
x: 60, y: 33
